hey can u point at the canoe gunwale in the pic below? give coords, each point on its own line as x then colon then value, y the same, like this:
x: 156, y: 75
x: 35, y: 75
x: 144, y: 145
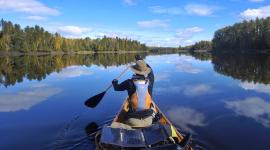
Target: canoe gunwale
x: 118, y: 118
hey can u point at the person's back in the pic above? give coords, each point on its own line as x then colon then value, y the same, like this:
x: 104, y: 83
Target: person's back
x: 139, y: 89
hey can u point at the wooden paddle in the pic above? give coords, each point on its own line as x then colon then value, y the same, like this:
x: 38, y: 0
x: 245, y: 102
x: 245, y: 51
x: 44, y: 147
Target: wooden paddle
x: 94, y: 100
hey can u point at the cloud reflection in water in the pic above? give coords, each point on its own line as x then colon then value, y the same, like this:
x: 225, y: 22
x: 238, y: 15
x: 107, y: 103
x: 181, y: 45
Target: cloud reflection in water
x: 188, y: 90
x: 262, y: 88
x: 186, y: 67
x: 185, y: 118
x: 252, y: 107
x: 73, y: 71
x: 162, y: 76
x: 25, y: 99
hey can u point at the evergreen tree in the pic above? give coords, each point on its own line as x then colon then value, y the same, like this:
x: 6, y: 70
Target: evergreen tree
x: 36, y: 39
x: 247, y: 36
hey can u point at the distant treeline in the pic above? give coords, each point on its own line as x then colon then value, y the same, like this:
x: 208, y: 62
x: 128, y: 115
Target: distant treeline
x: 164, y: 49
x: 36, y: 39
x: 253, y: 35
x: 201, y: 45
x: 247, y: 36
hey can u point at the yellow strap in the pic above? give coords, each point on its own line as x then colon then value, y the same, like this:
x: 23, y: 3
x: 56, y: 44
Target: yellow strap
x: 174, y: 134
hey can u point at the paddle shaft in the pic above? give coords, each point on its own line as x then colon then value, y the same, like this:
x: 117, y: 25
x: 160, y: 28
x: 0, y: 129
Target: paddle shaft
x: 122, y: 73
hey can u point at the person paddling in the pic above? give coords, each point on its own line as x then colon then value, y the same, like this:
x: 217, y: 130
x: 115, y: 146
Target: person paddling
x: 139, y: 87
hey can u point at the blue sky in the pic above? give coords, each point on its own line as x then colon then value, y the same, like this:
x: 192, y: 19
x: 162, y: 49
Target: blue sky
x: 154, y: 22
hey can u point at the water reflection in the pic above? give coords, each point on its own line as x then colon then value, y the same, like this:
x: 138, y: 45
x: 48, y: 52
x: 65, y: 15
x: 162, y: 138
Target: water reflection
x: 202, y: 56
x: 73, y: 71
x: 197, y: 90
x: 185, y: 117
x: 258, y: 87
x: 14, y: 69
x: 187, y: 67
x: 249, y: 68
x: 160, y: 77
x: 189, y: 91
x: 252, y: 107
x: 26, y: 98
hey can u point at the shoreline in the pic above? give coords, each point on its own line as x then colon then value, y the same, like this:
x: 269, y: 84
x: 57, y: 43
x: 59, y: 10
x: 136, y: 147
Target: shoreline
x: 17, y: 53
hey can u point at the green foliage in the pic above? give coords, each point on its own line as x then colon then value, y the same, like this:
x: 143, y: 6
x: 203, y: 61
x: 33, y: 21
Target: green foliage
x: 251, y: 36
x: 36, y: 39
x: 201, y: 45
x: 164, y: 49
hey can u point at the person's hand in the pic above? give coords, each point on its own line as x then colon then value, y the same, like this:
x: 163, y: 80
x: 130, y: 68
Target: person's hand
x: 138, y: 57
x: 114, y: 81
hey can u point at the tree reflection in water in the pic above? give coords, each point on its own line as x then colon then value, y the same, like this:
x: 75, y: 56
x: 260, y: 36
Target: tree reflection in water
x: 14, y: 69
x: 245, y: 67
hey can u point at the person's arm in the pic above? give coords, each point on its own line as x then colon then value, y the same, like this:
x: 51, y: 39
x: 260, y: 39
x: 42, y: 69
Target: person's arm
x: 151, y: 78
x: 120, y: 87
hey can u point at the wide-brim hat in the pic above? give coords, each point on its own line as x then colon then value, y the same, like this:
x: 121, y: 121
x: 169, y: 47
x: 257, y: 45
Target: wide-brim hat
x: 140, y: 68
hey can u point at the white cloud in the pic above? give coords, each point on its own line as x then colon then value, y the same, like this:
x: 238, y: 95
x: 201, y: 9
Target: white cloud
x: 181, y: 37
x: 256, y: 0
x: 163, y: 42
x: 169, y: 89
x: 162, y: 76
x: 252, y: 107
x: 201, y: 10
x: 35, y: 18
x: 118, y: 34
x: 156, y: 23
x: 163, y: 10
x: 130, y: 2
x: 261, y: 12
x: 38, y: 85
x: 262, y: 88
x: 188, y: 90
x: 187, y: 67
x: 187, y: 33
x: 186, y: 118
x: 73, y: 71
x: 24, y: 100
x: 197, y: 90
x: 185, y: 64
x: 27, y: 6
x: 73, y: 31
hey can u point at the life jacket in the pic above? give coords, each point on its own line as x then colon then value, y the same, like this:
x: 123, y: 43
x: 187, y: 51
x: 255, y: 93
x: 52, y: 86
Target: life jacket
x: 140, y: 100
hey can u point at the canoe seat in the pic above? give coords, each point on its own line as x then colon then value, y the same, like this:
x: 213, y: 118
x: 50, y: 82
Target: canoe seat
x: 129, y: 137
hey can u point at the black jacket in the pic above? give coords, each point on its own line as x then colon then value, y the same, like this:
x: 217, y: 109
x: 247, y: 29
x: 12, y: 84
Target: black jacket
x: 130, y: 87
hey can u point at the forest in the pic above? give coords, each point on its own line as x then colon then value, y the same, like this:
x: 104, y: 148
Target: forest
x: 247, y: 36
x: 36, y: 39
x: 201, y: 45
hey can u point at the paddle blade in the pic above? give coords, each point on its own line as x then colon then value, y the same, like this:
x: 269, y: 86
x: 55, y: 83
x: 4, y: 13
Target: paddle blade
x: 93, y: 101
x: 91, y: 128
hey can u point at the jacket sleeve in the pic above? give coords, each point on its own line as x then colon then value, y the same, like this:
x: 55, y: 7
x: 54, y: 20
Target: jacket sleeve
x: 152, y: 80
x: 120, y: 87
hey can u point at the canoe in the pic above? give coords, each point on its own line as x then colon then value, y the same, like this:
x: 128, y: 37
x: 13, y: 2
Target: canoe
x: 158, y: 136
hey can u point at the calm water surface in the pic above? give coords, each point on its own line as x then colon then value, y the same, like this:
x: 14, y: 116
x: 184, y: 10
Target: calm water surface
x: 224, y: 101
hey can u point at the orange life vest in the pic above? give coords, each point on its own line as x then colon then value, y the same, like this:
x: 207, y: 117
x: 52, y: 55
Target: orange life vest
x: 140, y: 99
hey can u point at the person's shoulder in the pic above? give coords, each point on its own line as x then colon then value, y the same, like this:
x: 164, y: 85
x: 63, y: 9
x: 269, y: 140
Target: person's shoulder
x: 128, y: 80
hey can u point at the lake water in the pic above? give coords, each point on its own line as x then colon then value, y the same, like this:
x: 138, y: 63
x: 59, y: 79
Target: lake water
x: 223, y: 100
